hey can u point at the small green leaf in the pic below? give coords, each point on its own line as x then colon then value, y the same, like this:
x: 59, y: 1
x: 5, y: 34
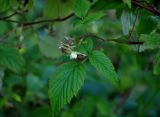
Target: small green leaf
x: 121, y: 40
x: 86, y: 46
x: 11, y: 59
x: 30, y: 4
x: 151, y: 41
x: 77, y: 22
x: 102, y: 63
x: 16, y: 97
x: 156, y: 68
x: 81, y: 8
x: 65, y: 84
x: 93, y: 17
x: 103, y: 107
x: 128, y: 2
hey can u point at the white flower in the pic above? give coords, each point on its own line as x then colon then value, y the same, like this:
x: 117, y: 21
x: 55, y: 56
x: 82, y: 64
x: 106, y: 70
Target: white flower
x: 73, y: 55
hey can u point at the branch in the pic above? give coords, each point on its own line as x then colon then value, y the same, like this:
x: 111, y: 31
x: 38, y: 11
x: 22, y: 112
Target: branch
x: 40, y: 21
x: 134, y: 24
x: 103, y: 40
x: 122, y: 100
x: 7, y: 17
x: 148, y: 7
x: 16, y: 12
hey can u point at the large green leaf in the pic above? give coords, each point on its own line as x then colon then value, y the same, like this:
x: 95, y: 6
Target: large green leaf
x: 11, y: 59
x: 81, y: 8
x: 151, y: 41
x: 5, y: 4
x: 65, y: 84
x: 107, y: 4
x: 146, y: 25
x: 58, y: 8
x: 102, y: 63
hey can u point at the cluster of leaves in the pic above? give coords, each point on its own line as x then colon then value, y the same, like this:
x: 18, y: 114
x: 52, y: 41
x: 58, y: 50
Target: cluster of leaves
x: 128, y: 31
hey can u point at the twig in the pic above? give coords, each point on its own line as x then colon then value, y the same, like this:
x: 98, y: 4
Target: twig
x: 150, y: 8
x: 40, y: 21
x: 114, y: 40
x: 134, y: 24
x: 122, y: 100
x: 102, y: 40
x: 134, y: 43
x: 16, y: 12
x: 7, y: 17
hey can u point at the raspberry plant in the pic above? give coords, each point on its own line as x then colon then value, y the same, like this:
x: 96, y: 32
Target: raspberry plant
x: 71, y: 58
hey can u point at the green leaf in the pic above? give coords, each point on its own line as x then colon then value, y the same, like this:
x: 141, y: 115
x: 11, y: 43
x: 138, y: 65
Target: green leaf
x: 11, y: 59
x: 17, y: 97
x: 106, y: 4
x: 128, y: 2
x: 65, y: 84
x: 35, y: 85
x: 102, y: 63
x: 49, y: 46
x: 146, y: 25
x: 41, y: 111
x: 156, y: 68
x: 151, y: 41
x: 14, y: 2
x: 4, y: 27
x: 93, y: 17
x: 58, y: 8
x: 103, y: 107
x: 86, y: 46
x: 81, y: 8
x: 127, y: 20
x: 5, y: 4
x: 121, y: 39
x: 88, y: 103
x: 30, y: 4
x: 78, y: 23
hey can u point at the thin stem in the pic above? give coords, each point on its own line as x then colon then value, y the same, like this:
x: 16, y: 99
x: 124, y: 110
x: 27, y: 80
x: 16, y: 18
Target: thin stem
x: 134, y: 24
x: 16, y: 12
x: 102, y: 40
x: 7, y: 17
x: 122, y: 100
x: 40, y: 21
